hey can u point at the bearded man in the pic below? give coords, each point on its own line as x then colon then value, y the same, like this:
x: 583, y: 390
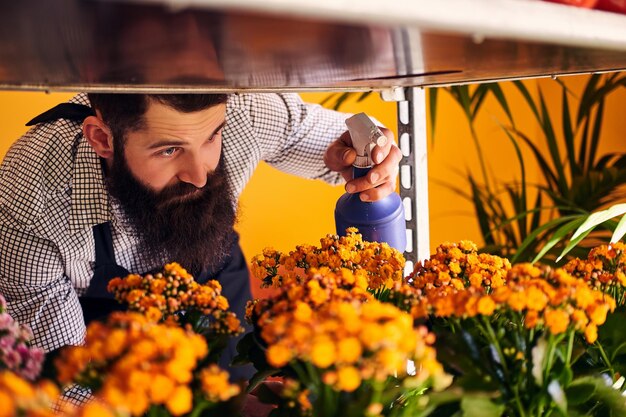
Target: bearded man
x: 112, y: 183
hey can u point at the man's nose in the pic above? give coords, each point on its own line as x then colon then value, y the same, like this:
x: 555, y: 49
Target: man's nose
x: 194, y: 172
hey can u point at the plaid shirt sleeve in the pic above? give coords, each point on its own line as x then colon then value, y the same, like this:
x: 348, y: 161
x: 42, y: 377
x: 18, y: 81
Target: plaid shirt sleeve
x: 34, y: 198
x: 37, y: 291
x: 293, y: 135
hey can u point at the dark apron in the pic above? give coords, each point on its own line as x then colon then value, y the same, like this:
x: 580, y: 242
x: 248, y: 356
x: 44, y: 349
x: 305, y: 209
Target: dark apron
x: 98, y: 303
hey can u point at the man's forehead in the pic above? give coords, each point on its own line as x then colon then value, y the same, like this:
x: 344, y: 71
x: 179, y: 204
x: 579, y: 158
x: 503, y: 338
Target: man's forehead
x: 159, y: 116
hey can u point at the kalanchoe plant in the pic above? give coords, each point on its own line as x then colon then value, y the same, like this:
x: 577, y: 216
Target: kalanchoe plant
x: 16, y: 352
x: 21, y: 397
x: 174, y: 296
x: 137, y: 366
x: 376, y: 265
x: 604, y: 269
x: 513, y: 333
x: 341, y: 351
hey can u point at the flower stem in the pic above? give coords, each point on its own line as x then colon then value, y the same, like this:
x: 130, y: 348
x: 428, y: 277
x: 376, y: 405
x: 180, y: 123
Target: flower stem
x: 606, y: 359
x: 570, y: 348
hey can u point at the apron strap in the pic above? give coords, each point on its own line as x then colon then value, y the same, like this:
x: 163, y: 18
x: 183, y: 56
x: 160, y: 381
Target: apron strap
x: 105, y: 254
x: 71, y: 111
x: 97, y: 302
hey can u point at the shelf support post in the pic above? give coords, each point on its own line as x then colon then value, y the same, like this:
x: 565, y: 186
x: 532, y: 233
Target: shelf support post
x: 413, y: 169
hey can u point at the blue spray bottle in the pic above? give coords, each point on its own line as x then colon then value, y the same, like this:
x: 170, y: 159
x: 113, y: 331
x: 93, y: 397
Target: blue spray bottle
x: 378, y: 221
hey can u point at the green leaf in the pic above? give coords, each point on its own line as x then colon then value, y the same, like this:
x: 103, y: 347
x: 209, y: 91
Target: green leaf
x: 579, y: 392
x: 531, y: 103
x: 568, y: 135
x: 533, y: 235
x: 609, y: 400
x: 586, y: 102
x: 259, y: 377
x: 583, y: 162
x: 432, y: 99
x: 536, y: 218
x: 553, y: 147
x: 481, y: 213
x: 572, y: 244
x: 620, y: 230
x: 550, y: 176
x: 464, y: 100
x: 558, y: 236
x: 342, y: 97
x: 600, y: 217
x: 522, y: 203
x: 363, y: 96
x: 328, y: 98
x: 496, y: 90
x: 595, y: 134
x: 480, y: 406
x: 478, y: 98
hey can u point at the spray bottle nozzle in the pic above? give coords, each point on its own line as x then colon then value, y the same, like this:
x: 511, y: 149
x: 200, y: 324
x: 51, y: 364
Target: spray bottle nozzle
x: 365, y: 136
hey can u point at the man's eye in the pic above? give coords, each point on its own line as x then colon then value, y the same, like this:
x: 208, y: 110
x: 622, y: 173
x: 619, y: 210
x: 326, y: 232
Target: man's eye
x: 216, y: 135
x: 168, y: 152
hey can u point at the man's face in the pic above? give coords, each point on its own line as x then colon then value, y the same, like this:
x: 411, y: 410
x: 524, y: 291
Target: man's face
x: 175, y: 147
x: 173, y: 189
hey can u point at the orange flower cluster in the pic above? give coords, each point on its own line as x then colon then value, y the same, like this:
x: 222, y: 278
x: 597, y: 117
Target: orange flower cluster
x: 347, y: 334
x: 215, y: 384
x: 296, y: 398
x: 383, y: 264
x: 460, y: 265
x: 22, y: 398
x: 19, y: 397
x: 541, y: 296
x: 604, y: 269
x: 168, y: 293
x: 132, y: 363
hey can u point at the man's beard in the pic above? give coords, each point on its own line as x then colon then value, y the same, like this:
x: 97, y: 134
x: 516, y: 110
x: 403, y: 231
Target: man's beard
x: 189, y: 225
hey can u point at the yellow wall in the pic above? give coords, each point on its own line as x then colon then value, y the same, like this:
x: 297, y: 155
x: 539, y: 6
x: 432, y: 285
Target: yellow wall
x: 282, y: 211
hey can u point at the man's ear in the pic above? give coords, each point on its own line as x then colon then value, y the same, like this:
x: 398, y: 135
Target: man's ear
x: 99, y: 136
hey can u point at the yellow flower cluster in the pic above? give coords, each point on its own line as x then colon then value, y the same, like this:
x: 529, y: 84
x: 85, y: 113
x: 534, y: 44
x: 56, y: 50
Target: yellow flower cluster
x: 19, y: 397
x: 550, y: 298
x: 383, y: 264
x: 604, y: 269
x: 167, y: 293
x: 347, y: 334
x: 133, y: 363
x: 460, y: 265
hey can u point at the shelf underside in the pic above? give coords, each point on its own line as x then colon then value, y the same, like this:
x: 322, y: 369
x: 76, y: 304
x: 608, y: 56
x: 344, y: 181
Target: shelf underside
x: 73, y: 45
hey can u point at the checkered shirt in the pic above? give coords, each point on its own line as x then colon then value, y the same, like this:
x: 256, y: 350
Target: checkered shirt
x: 52, y: 192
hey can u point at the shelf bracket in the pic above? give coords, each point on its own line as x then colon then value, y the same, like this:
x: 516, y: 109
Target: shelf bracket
x: 413, y: 169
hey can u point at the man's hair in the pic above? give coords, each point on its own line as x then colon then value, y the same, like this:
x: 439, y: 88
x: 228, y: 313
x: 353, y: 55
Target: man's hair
x: 124, y: 112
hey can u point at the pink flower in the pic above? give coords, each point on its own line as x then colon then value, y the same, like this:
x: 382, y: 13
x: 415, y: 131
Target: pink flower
x: 12, y: 360
x: 16, y: 354
x: 7, y: 342
x: 5, y: 321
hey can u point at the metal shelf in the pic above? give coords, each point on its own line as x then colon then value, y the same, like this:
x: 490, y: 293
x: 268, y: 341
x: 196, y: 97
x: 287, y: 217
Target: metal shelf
x: 270, y: 45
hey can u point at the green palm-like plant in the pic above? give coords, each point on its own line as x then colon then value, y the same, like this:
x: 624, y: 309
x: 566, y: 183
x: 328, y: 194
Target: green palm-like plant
x: 577, y: 179
x: 528, y: 221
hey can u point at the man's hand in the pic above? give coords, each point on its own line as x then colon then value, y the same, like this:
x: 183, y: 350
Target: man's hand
x: 380, y: 181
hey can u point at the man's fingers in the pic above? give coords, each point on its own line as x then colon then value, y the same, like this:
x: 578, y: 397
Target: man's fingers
x: 340, y: 153
x: 379, y: 153
x: 380, y: 192
x: 386, y: 172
